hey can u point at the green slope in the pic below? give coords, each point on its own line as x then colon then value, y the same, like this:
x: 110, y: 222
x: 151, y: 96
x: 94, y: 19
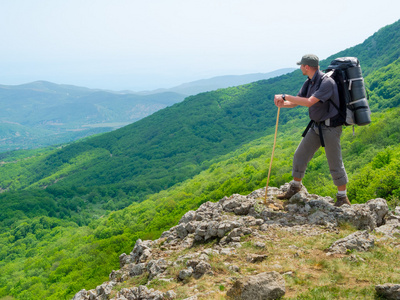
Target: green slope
x: 211, y: 145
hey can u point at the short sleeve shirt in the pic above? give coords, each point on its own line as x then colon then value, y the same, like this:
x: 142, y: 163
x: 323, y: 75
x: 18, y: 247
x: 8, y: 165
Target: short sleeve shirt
x: 323, y: 109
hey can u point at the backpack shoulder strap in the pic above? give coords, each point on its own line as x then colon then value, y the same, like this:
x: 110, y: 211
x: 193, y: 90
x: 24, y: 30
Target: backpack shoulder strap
x: 304, y: 88
x: 328, y: 74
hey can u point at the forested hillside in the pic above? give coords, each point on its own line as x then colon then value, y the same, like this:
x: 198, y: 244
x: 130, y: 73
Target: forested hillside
x: 67, y: 214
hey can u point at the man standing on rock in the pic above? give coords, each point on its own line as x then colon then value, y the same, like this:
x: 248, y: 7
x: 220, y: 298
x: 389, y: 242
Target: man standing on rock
x: 314, y: 94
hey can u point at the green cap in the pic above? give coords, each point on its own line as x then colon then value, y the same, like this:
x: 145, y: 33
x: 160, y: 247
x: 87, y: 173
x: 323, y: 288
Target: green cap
x: 309, y: 60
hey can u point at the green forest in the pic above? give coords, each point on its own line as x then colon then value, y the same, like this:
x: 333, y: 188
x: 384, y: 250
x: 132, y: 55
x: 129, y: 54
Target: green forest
x: 68, y: 212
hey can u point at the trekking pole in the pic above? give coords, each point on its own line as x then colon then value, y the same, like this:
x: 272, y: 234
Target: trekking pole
x: 272, y: 156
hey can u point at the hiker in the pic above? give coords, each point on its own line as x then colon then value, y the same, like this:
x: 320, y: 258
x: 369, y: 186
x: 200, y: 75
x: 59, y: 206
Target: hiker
x: 314, y: 94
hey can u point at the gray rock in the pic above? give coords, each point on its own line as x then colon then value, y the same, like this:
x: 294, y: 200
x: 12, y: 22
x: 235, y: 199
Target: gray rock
x: 321, y: 218
x: 188, y: 217
x: 208, y: 211
x: 201, y: 231
x: 141, y: 252
x: 237, y: 232
x: 181, y: 230
x: 141, y: 292
x: 170, y: 295
x: 259, y: 245
x: 238, y: 204
x: 227, y: 251
x: 185, y: 273
x: 300, y: 198
x: 124, y: 259
x: 201, y: 269
x: 191, y: 226
x: 226, y: 227
x: 397, y: 210
x: 187, y: 242
x: 156, y: 267
x: 256, y: 258
x: 366, y: 216
x: 392, y: 227
x: 119, y: 275
x: 92, y: 295
x: 136, y: 269
x: 212, y: 230
x: 234, y: 268
x: 103, y: 291
x: 262, y: 286
x: 378, y: 209
x: 360, y: 241
x: 81, y: 295
x: 388, y: 291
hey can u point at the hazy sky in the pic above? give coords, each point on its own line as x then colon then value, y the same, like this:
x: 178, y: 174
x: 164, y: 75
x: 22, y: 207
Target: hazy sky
x: 149, y: 44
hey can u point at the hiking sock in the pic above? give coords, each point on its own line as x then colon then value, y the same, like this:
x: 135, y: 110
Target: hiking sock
x: 342, y: 193
x: 295, y: 183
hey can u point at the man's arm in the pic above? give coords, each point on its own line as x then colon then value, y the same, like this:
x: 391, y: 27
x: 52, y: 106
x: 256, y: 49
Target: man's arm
x: 293, y: 101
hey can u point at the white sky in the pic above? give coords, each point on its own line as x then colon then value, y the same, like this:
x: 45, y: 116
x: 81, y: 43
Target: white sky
x: 148, y: 44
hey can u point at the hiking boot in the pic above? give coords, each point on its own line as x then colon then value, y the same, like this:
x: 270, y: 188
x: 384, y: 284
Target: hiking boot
x: 341, y: 200
x: 290, y: 192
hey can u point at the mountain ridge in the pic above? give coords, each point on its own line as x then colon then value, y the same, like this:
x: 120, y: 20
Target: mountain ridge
x: 59, y: 110
x: 218, y: 82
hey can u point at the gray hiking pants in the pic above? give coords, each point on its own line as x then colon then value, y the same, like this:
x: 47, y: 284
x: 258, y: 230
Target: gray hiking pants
x: 311, y: 143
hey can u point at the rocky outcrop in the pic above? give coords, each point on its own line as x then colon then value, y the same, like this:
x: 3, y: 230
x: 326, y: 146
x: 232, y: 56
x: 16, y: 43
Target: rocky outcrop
x: 227, y: 222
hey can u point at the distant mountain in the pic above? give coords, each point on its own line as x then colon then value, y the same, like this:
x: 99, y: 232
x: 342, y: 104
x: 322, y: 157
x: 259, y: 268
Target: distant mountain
x: 42, y: 113
x: 219, y: 82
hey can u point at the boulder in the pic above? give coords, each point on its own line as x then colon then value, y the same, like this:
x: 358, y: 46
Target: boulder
x: 103, y: 291
x: 264, y: 286
x: 81, y: 295
x: 388, y: 291
x: 185, y: 273
x: 392, y: 227
x: 156, y: 267
x: 142, y: 251
x: 360, y: 241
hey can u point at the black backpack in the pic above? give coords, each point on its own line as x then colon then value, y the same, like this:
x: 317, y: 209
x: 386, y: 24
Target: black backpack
x: 353, y: 101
